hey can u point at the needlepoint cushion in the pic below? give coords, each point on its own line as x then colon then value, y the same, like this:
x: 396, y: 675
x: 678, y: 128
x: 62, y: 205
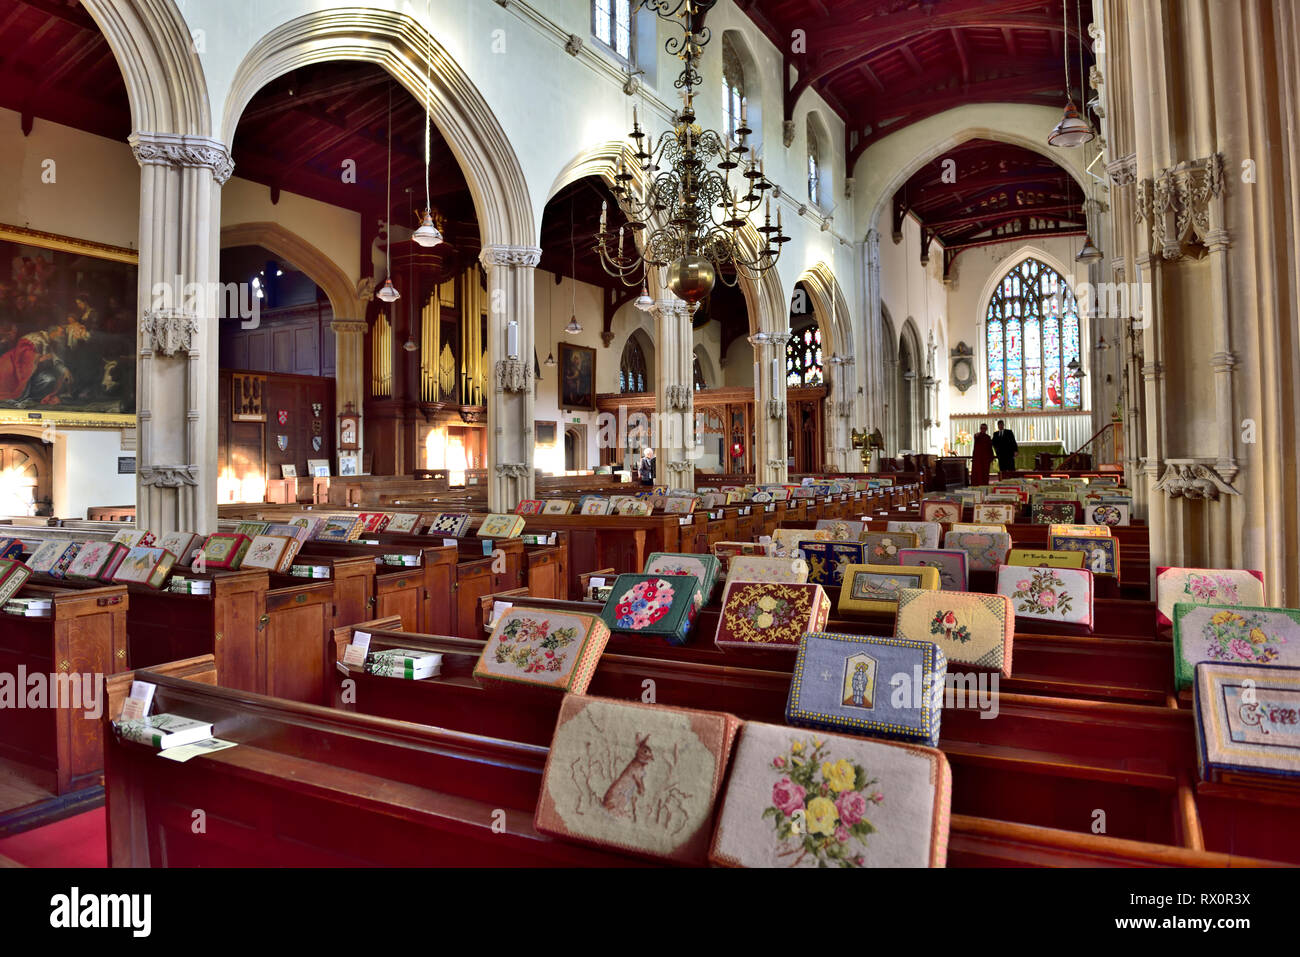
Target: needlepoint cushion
x: 552, y: 649
x: 663, y: 605
x: 801, y: 799
x: 1205, y: 586
x: 874, y: 588
x: 759, y: 568
x: 1236, y: 634
x: 950, y: 563
x: 1049, y: 594
x: 770, y: 614
x: 985, y: 550
x: 969, y: 628
x: 879, y: 687
x: 927, y: 533
x: 1247, y: 722
x: 1101, y: 555
x: 636, y: 777
x: 703, y: 567
x: 827, y: 560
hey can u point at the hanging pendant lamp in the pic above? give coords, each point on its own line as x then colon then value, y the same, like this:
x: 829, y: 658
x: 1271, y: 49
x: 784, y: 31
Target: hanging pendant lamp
x: 389, y: 293
x: 1073, y: 130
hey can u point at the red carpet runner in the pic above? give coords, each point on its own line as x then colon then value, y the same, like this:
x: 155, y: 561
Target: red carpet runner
x: 78, y: 841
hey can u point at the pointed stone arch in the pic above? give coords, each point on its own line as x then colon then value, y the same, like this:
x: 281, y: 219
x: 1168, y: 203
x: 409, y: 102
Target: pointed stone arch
x: 338, y: 288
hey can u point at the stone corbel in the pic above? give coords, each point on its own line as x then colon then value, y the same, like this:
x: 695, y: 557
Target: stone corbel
x: 1183, y: 204
x: 678, y: 398
x: 775, y: 463
x: 1194, y: 480
x: 169, y: 331
x: 168, y: 476
x: 514, y: 470
x: 366, y: 288
x: 679, y: 466
x: 512, y: 375
x: 775, y: 409
x: 787, y: 133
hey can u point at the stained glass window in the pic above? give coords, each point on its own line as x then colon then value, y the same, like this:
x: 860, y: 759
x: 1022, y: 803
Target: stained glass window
x: 803, y: 358
x: 631, y: 369
x: 611, y: 21
x: 1032, y: 329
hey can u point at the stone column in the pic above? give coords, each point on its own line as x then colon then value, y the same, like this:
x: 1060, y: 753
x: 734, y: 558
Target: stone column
x: 839, y: 414
x: 770, y: 455
x: 874, y: 374
x: 674, y: 393
x: 511, y: 391
x: 177, y: 373
x: 349, y: 371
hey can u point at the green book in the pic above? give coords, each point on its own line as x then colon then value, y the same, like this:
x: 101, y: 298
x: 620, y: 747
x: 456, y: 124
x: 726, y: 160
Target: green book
x: 165, y: 730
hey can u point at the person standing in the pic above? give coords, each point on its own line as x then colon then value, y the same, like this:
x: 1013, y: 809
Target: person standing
x: 1005, y: 447
x: 645, y: 467
x: 981, y: 456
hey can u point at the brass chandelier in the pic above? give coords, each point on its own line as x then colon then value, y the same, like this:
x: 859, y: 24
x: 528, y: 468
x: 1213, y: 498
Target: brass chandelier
x: 691, y: 215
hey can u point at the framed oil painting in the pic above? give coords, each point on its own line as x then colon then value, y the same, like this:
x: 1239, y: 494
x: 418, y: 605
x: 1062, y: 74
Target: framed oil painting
x: 578, y: 377
x: 67, y: 329
x: 544, y: 433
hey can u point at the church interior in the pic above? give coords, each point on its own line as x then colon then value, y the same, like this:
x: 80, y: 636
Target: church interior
x: 594, y: 433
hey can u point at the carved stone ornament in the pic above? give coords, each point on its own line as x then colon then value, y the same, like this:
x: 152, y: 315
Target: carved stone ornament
x: 844, y: 409
x: 512, y: 375
x: 573, y: 46
x: 775, y: 409
x: 168, y: 476
x: 1190, y: 479
x: 1123, y: 171
x: 678, y: 398
x: 169, y: 331
x: 680, y: 466
x: 181, y: 152
x: 1182, y: 205
x: 787, y: 133
x: 366, y: 288
x: 500, y: 255
x: 514, y: 470
x: 775, y: 463
x: 607, y: 337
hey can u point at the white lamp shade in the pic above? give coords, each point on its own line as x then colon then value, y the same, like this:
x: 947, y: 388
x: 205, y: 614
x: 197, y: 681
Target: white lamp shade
x: 1089, y: 253
x: 427, y: 235
x: 388, y: 292
x: 574, y: 327
x: 1072, y: 131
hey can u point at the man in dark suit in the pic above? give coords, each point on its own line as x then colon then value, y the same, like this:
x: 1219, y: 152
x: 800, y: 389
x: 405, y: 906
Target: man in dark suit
x: 1005, y: 447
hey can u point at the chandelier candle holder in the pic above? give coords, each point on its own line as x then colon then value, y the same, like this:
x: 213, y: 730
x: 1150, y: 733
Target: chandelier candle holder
x: 691, y: 214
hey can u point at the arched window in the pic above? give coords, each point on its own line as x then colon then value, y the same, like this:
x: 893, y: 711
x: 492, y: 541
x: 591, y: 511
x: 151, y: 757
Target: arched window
x: 611, y: 22
x: 631, y: 368
x: 814, y: 163
x: 733, y: 87
x: 803, y: 358
x: 1032, y: 331
x: 700, y: 382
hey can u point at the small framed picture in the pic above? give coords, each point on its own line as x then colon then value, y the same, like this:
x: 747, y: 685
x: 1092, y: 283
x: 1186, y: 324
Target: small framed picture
x: 347, y: 465
x: 544, y: 432
x: 288, y: 471
x: 320, y: 471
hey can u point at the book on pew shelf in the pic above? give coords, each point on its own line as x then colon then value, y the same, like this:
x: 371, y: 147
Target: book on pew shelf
x: 454, y: 524
x: 796, y: 799
x: 27, y: 609
x: 530, y: 506
x: 1101, y: 555
x: 97, y: 562
x: 13, y: 575
x: 403, y: 663
x: 1235, y: 634
x: 969, y: 628
x: 557, y: 506
x: 252, y: 529
x: 1030, y: 557
x: 1061, y: 595
x: 270, y: 552
x: 309, y: 571
x: 1205, y: 586
x: 872, y: 588
x: 225, y: 550
x: 927, y: 534
x: 184, y: 545
x: 406, y: 561
x: 495, y: 525
x: 11, y: 548
x: 763, y: 568
x: 550, y: 649
x: 404, y: 522
x: 655, y: 787
x: 770, y: 615
x: 189, y: 586
x: 663, y: 605
x: 164, y: 731
x: 843, y: 683
x: 47, y: 558
x: 145, y: 566
x: 985, y: 551
x: 337, y: 528
x: 703, y: 567
x: 134, y: 537
x: 1247, y: 723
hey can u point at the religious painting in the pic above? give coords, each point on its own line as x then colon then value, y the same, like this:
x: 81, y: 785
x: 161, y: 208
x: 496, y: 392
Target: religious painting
x: 247, y: 393
x: 67, y: 329
x: 545, y: 434
x: 578, y: 378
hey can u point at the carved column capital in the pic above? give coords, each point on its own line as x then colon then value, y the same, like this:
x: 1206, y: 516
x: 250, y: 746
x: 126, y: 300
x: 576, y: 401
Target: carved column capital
x: 775, y: 409
x: 678, y: 398
x: 681, y: 465
x: 343, y: 326
x: 169, y: 331
x: 181, y: 152
x: 510, y: 256
x: 512, y: 375
x: 515, y: 470
x: 1123, y: 171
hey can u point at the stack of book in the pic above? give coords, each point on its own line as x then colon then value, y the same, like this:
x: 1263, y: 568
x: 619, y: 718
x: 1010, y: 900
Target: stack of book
x: 310, y: 571
x: 189, y: 586
x: 408, y: 561
x: 164, y: 731
x: 404, y: 663
x: 29, y: 607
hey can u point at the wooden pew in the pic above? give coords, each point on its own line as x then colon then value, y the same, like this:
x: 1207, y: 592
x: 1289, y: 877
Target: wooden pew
x: 85, y: 635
